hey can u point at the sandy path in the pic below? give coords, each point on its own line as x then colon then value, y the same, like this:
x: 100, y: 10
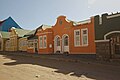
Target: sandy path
x: 27, y: 68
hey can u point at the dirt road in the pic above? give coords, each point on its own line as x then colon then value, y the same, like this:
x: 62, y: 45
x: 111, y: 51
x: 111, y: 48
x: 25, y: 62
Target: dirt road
x: 26, y: 68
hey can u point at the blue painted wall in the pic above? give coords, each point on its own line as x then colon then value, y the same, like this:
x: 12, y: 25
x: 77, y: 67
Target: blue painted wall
x: 8, y: 24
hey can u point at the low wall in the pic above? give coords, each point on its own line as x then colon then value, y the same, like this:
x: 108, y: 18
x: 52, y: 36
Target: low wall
x: 103, y: 50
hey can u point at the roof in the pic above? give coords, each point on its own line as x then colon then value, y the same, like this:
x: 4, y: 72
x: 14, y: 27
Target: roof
x: 21, y: 32
x: 80, y: 22
x: 113, y: 15
x: 32, y: 37
x: 30, y: 33
x: 5, y: 34
x: 45, y: 26
x: 1, y: 22
x: 7, y: 24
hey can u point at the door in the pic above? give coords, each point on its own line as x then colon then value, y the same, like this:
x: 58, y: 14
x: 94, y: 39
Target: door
x: 36, y: 49
x: 36, y: 45
x: 115, y: 45
x: 57, y: 45
x: 65, y: 44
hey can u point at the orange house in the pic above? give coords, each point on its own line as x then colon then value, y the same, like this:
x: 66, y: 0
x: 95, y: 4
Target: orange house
x: 45, y: 39
x: 67, y: 36
x: 74, y: 37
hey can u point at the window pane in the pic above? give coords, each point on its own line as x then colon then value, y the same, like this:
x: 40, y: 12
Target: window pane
x: 60, y: 22
x: 77, y: 40
x: 84, y: 39
x: 58, y: 41
x: 77, y: 37
x: 77, y: 33
x: 85, y: 32
x: 85, y: 36
x: 40, y: 42
x: 45, y: 42
x: 66, y: 41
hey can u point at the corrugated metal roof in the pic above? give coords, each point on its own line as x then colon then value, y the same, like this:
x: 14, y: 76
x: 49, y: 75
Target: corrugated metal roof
x: 21, y: 32
x: 5, y: 34
x: 30, y: 33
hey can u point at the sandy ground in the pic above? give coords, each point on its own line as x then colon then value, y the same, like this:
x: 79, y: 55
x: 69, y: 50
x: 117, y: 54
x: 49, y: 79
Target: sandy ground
x: 27, y: 68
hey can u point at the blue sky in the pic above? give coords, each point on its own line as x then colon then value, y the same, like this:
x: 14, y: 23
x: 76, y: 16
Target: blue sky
x: 30, y: 14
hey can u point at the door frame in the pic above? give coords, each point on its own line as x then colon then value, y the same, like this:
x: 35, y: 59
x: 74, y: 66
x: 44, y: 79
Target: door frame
x: 63, y: 47
x: 55, y: 44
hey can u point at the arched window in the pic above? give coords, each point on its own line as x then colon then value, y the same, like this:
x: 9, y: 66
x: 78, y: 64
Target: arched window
x: 66, y: 41
x: 58, y: 41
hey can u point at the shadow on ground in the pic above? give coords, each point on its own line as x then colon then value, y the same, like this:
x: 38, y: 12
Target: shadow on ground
x: 71, y: 68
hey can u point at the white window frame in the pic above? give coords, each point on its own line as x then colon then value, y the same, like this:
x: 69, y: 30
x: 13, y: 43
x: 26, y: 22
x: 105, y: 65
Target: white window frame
x: 44, y: 41
x: 40, y: 42
x: 57, y: 41
x: 83, y: 36
x: 76, y: 45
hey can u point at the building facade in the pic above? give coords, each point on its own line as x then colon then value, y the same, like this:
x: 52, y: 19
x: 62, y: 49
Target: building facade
x: 74, y: 37
x: 32, y: 42
x: 67, y: 36
x: 22, y: 44
x: 107, y: 35
x: 4, y: 36
x: 45, y: 39
x: 15, y: 35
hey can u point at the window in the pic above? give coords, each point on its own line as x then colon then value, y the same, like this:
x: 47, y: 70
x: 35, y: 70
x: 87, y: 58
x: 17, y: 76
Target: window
x: 58, y: 41
x: 30, y: 43
x: 84, y: 36
x: 66, y: 41
x: 118, y: 39
x: 24, y: 42
x: 41, y: 42
x: 44, y: 41
x: 76, y: 37
x: 60, y: 22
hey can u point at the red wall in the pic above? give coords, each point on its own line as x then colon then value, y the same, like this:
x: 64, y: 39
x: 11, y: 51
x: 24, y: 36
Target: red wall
x: 49, y: 33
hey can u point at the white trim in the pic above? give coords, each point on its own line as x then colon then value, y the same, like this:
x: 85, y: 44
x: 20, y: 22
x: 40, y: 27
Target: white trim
x: 64, y: 35
x: 100, y: 20
x: 46, y: 33
x: 101, y: 40
x: 85, y: 21
x: 55, y: 43
x: 75, y: 45
x: 112, y: 16
x: 110, y: 33
x: 56, y: 37
x: 80, y: 22
x: 84, y: 35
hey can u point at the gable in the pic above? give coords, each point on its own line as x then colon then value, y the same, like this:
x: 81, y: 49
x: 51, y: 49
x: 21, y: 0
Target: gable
x: 62, y: 22
x: 7, y: 24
